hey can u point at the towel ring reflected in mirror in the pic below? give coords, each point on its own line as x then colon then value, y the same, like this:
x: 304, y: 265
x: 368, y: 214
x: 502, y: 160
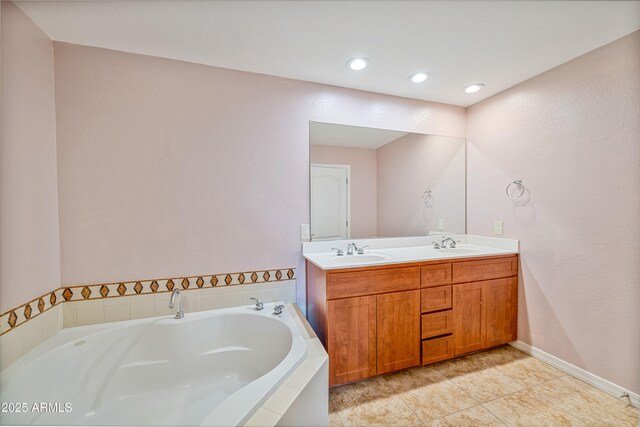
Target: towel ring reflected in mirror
x: 427, y: 198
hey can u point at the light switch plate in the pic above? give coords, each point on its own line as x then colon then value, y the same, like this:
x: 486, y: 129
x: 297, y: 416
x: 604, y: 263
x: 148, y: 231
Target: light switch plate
x: 497, y: 227
x: 440, y: 224
x: 305, y: 232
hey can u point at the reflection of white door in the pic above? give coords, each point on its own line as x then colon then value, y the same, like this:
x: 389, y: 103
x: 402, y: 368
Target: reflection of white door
x: 330, y: 202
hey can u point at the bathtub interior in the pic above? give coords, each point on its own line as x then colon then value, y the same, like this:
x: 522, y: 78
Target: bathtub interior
x: 159, y: 371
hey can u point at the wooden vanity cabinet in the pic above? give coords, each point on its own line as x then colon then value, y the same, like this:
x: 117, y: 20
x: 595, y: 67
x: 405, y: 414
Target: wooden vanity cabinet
x: 374, y: 320
x: 398, y: 330
x: 469, y: 323
x: 484, y: 314
x: 352, y: 339
x: 500, y: 300
x: 373, y: 335
x: 437, y: 314
x: 468, y: 305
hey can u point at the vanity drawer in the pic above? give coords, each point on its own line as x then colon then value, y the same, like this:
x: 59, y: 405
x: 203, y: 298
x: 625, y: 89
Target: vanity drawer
x: 485, y: 269
x: 434, y: 299
x: 370, y: 282
x: 435, y: 275
x: 436, y: 324
x: 437, y: 349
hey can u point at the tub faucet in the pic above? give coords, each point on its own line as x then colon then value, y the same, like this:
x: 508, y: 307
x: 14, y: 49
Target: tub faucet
x: 175, y: 295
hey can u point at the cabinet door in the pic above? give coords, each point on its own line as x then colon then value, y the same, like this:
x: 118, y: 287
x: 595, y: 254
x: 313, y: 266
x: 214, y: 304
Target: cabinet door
x: 468, y: 317
x: 351, y: 339
x: 500, y: 301
x: 398, y: 330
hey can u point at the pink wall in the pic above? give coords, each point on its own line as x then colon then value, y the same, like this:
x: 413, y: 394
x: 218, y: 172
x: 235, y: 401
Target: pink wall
x: 363, y: 163
x: 169, y: 168
x: 571, y: 134
x: 29, y: 248
x: 407, y: 167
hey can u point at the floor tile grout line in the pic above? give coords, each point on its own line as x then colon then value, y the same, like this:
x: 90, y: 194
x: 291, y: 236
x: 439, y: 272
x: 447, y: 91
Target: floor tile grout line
x: 499, y: 397
x: 478, y: 404
x: 558, y: 407
x: 497, y: 417
x: 545, y: 400
x: 455, y: 385
x: 518, y: 391
x: 463, y: 391
x: 395, y: 394
x: 524, y: 387
x: 456, y: 412
x: 411, y: 409
x: 555, y: 406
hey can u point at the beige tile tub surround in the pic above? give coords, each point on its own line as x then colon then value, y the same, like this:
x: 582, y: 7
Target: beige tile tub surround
x: 80, y: 313
x: 25, y: 326
x: 303, y: 395
x: 494, y: 388
x: 302, y: 400
x: 21, y: 340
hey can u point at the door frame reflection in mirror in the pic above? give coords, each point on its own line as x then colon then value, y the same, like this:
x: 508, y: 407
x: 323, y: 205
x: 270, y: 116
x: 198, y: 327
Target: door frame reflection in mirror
x: 347, y: 203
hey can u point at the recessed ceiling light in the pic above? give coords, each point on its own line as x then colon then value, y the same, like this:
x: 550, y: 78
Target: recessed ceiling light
x: 473, y: 88
x: 357, y: 64
x: 418, y: 77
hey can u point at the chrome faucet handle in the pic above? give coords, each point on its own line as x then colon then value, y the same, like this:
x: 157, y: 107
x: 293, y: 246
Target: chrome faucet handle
x: 436, y: 245
x: 259, y: 304
x: 339, y: 251
x: 278, y: 309
x: 361, y: 250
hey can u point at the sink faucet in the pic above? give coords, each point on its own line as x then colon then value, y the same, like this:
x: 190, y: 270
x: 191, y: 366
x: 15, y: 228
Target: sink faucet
x: 353, y: 247
x: 175, y: 295
x: 448, y: 242
x: 350, y: 248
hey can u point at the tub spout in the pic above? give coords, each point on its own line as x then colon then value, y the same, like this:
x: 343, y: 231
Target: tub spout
x: 175, y: 295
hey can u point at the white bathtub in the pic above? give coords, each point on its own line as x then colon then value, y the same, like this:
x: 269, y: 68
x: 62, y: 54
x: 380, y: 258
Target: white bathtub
x: 209, y: 368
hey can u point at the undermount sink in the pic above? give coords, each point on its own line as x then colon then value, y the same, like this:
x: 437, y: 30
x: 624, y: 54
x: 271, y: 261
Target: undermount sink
x: 357, y: 259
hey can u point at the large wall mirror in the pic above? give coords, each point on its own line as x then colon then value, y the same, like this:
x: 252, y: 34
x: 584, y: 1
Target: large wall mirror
x: 382, y: 183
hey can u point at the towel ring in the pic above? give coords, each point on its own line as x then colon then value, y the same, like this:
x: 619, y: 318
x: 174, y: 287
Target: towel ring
x: 518, y: 193
x: 515, y: 189
x: 427, y: 197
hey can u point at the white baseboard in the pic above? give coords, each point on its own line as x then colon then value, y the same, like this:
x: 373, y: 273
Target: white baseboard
x: 588, y: 377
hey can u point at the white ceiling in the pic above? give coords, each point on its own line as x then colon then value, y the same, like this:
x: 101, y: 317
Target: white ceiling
x: 498, y: 43
x: 350, y: 136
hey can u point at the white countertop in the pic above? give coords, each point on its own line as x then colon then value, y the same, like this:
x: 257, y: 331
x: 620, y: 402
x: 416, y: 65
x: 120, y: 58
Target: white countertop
x: 404, y: 250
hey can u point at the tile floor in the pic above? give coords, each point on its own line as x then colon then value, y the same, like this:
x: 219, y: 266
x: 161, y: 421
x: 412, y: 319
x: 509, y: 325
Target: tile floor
x: 493, y: 388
